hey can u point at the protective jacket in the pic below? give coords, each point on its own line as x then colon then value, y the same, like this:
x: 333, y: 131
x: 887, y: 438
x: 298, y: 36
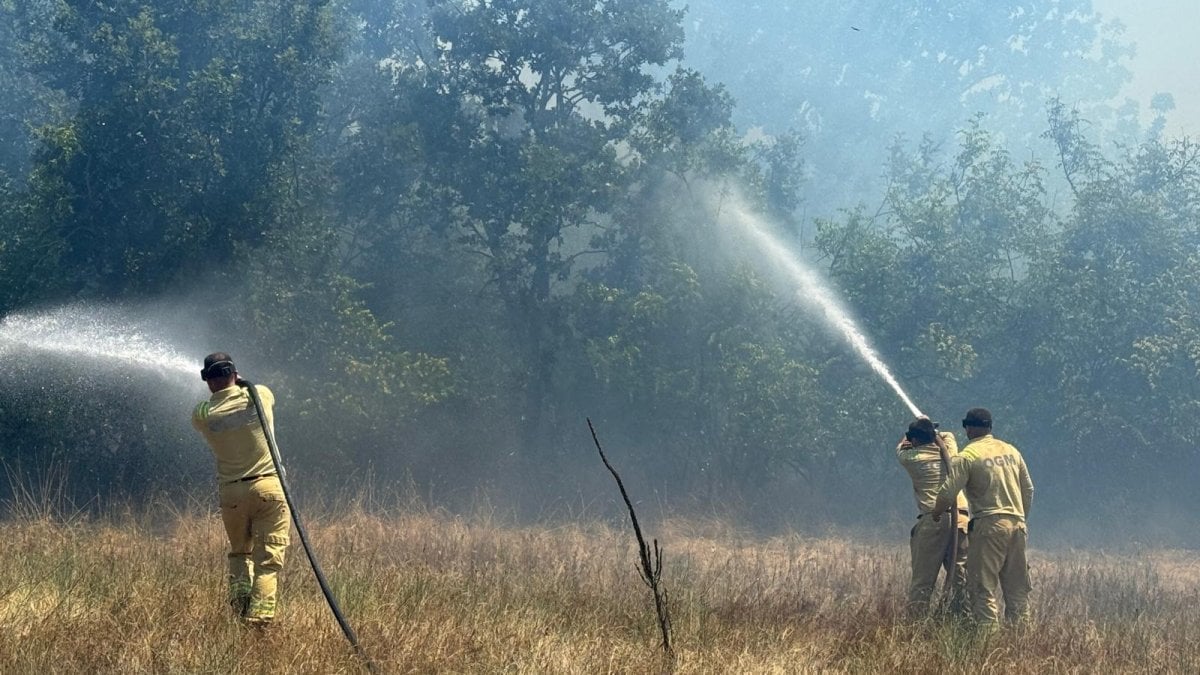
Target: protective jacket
x: 924, y: 465
x: 995, y: 478
x: 229, y: 422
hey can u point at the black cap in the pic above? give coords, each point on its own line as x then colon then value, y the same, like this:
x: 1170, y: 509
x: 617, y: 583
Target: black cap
x: 921, y: 430
x: 978, y: 417
x: 217, y: 364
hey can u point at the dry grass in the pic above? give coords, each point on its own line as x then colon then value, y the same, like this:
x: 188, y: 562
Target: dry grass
x: 433, y: 593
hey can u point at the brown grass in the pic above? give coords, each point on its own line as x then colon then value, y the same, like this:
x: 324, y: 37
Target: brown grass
x: 433, y: 593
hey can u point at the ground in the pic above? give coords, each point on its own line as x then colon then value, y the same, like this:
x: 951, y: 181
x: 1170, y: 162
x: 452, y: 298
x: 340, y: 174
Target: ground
x: 430, y: 592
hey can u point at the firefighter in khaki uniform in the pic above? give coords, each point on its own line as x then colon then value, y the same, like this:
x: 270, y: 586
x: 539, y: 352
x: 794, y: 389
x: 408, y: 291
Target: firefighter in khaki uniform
x: 253, y: 507
x: 930, y: 541
x: 997, y: 483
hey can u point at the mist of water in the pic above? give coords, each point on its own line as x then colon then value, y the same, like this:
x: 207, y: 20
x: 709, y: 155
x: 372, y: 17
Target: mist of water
x: 94, y: 337
x: 810, y: 288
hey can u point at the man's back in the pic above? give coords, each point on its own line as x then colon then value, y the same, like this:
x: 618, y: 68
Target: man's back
x: 230, y: 424
x: 997, y: 480
x: 924, y: 466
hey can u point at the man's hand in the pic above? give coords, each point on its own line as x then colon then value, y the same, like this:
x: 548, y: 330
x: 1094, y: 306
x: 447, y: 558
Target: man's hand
x: 937, y: 514
x: 904, y: 443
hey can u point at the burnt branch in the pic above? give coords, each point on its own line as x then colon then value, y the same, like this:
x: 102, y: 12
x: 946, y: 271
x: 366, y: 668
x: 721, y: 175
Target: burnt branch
x: 650, y: 569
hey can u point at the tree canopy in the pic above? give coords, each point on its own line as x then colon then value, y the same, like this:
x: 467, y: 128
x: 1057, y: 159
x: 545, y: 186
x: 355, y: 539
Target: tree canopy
x: 446, y: 232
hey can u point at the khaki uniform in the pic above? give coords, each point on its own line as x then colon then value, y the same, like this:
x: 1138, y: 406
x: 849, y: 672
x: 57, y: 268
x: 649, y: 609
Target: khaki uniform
x: 253, y: 507
x: 929, y: 541
x: 997, y: 482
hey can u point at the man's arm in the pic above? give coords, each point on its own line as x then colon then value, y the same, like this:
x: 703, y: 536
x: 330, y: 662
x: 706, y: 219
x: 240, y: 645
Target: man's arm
x: 198, y: 416
x: 954, y: 483
x: 949, y: 441
x: 1026, y: 488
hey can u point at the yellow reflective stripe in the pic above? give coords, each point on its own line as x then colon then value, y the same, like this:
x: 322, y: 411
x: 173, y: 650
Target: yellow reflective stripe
x: 241, y: 418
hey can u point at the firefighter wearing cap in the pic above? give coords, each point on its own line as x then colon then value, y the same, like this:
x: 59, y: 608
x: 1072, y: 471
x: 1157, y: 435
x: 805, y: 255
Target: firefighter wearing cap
x: 930, y: 542
x: 997, y: 482
x: 253, y: 506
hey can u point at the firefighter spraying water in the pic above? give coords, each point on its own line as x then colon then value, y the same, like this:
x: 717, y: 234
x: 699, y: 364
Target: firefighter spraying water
x: 993, y: 473
x: 238, y: 423
x: 253, y: 507
x: 926, y: 454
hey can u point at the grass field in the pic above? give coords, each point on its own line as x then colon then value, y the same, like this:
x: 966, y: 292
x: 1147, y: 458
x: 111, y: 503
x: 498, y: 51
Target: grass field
x: 428, y: 592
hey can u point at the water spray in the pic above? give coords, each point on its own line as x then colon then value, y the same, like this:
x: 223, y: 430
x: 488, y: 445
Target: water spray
x: 107, y: 335
x: 811, y: 289
x: 79, y: 332
x: 312, y: 559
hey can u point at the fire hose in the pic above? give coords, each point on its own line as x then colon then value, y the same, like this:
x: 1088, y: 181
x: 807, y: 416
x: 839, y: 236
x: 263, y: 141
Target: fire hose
x: 277, y: 461
x: 953, y: 552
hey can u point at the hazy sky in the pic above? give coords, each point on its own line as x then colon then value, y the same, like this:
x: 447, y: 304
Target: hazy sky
x: 1168, y: 54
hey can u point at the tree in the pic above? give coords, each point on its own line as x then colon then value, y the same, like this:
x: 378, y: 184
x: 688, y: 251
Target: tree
x: 543, y: 92
x: 1112, y: 307
x: 180, y: 147
x: 28, y: 103
x: 700, y: 358
x: 943, y: 262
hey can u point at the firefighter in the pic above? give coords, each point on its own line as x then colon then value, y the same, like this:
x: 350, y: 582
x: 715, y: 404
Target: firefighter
x: 997, y: 483
x: 930, y: 542
x: 253, y: 506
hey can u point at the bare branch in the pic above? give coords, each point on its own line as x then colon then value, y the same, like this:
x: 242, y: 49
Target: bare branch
x: 651, y: 563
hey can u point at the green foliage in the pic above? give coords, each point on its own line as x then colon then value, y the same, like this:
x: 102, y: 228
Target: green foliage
x: 458, y: 228
x: 179, y: 147
x: 1117, y: 293
x: 28, y: 102
x: 547, y: 58
x: 941, y: 265
x: 349, y: 384
x: 702, y: 370
x: 533, y: 96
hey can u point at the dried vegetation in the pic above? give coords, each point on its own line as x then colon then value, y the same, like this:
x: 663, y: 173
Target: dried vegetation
x: 428, y: 592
